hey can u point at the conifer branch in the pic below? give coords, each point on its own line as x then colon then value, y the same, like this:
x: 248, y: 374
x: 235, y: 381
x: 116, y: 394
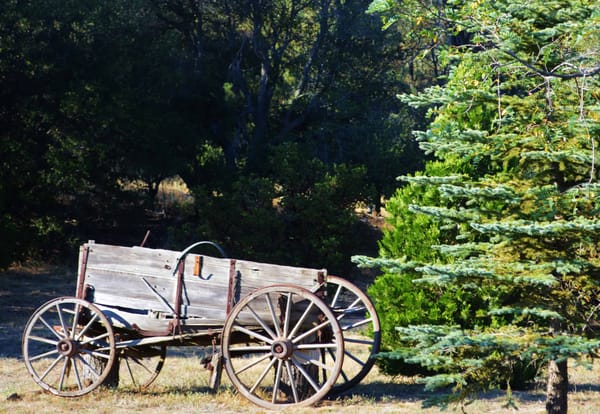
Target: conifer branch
x: 547, y: 74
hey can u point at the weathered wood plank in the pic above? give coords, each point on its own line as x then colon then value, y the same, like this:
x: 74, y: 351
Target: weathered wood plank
x: 266, y: 274
x: 144, y: 281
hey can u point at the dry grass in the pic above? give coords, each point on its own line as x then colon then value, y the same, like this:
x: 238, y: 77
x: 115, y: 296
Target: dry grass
x: 182, y: 386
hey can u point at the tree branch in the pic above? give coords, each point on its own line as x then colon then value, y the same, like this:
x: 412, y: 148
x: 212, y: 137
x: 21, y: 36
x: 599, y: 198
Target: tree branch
x: 545, y: 73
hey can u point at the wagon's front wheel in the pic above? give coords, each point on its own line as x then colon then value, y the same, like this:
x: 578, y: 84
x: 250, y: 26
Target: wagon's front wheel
x: 68, y: 347
x: 272, y: 342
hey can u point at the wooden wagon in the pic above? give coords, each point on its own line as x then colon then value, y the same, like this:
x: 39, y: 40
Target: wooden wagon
x: 286, y: 336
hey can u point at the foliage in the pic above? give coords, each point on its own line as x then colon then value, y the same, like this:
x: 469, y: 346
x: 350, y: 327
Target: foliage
x: 520, y: 108
x: 307, y: 213
x: 103, y: 100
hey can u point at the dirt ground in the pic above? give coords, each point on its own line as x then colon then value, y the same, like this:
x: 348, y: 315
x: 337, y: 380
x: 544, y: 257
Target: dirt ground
x: 22, y: 291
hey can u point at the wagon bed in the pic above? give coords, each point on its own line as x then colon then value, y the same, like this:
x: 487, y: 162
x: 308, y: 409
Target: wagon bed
x: 154, y: 291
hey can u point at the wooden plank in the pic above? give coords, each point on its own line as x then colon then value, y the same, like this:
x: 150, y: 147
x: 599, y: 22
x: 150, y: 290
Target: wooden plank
x: 121, y: 318
x: 143, y: 280
x: 132, y: 260
x: 254, y: 275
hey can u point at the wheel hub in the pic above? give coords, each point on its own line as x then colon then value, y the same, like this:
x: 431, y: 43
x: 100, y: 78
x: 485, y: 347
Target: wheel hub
x: 282, y: 348
x: 67, y: 347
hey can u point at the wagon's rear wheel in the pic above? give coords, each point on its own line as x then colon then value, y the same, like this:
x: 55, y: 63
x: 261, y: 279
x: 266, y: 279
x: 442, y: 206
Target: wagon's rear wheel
x: 139, y: 366
x: 68, y: 347
x: 360, y: 325
x: 272, y: 342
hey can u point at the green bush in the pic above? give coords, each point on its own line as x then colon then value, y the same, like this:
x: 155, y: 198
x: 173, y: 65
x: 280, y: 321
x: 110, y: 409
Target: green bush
x: 402, y: 301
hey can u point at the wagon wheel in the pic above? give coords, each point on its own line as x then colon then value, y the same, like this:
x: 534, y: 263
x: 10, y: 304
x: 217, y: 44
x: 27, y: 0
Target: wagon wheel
x: 68, y: 347
x: 139, y: 366
x: 271, y: 347
x: 360, y: 325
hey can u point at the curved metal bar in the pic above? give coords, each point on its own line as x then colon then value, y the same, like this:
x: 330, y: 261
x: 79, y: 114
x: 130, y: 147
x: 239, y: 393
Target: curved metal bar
x: 192, y: 246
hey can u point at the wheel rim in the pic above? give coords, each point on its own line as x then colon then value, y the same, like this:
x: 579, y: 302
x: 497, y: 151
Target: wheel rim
x: 271, y: 347
x: 68, y: 347
x: 360, y: 325
x: 139, y: 366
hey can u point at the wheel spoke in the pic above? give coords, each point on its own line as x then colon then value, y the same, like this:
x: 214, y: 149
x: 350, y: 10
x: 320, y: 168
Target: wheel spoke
x: 350, y: 311
x: 63, y: 374
x: 262, y: 323
x: 96, y: 338
x: 288, y: 367
x: 300, y: 321
x: 253, y: 334
x: 288, y: 311
x: 322, y: 354
x: 310, y: 332
x: 353, y: 304
x: 273, y: 316
x: 253, y: 363
x: 247, y: 349
x: 342, y: 372
x: 139, y: 363
x: 90, y: 368
x: 87, y: 326
x: 51, y: 367
x: 312, y: 361
x: 356, y: 324
x: 76, y: 371
x: 42, y: 339
x: 310, y: 379
x: 354, y: 358
x: 277, y: 380
x: 359, y: 341
x: 76, y: 318
x: 335, y: 297
x: 44, y: 355
x: 96, y: 354
x: 130, y: 372
x: 263, y: 375
x: 50, y: 328
x: 62, y: 321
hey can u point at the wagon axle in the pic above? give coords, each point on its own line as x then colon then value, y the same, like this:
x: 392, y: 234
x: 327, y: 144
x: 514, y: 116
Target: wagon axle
x: 67, y: 347
x: 282, y: 349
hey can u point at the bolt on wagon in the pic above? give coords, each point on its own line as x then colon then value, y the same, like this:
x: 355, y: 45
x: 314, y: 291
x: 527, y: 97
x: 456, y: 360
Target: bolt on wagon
x: 286, y: 336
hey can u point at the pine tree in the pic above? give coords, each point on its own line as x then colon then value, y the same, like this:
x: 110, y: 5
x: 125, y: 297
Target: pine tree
x: 520, y: 106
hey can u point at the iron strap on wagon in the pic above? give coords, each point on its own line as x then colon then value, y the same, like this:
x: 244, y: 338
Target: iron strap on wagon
x: 288, y: 336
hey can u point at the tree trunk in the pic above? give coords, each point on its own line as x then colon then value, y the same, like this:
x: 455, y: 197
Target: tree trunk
x: 557, y: 387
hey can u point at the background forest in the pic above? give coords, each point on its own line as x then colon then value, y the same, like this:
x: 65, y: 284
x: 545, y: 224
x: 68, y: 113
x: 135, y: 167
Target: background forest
x: 279, y: 116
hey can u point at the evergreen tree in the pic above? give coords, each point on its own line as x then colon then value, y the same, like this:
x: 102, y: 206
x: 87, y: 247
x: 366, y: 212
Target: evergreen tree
x: 520, y: 107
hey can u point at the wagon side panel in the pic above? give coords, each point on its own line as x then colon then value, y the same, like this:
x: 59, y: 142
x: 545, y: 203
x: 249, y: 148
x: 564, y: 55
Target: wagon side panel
x: 206, y: 286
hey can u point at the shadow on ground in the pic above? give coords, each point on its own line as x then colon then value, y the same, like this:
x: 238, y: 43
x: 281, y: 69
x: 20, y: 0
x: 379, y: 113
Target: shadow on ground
x: 22, y: 291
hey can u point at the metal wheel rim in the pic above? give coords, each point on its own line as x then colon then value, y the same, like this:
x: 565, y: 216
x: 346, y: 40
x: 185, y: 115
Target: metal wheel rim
x: 354, y: 332
x: 56, y: 339
x: 279, y: 350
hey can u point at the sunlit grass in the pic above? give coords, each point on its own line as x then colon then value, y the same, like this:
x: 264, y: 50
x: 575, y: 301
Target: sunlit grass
x: 183, y: 387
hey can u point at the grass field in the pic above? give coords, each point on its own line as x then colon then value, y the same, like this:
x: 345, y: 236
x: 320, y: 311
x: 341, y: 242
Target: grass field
x: 182, y: 386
